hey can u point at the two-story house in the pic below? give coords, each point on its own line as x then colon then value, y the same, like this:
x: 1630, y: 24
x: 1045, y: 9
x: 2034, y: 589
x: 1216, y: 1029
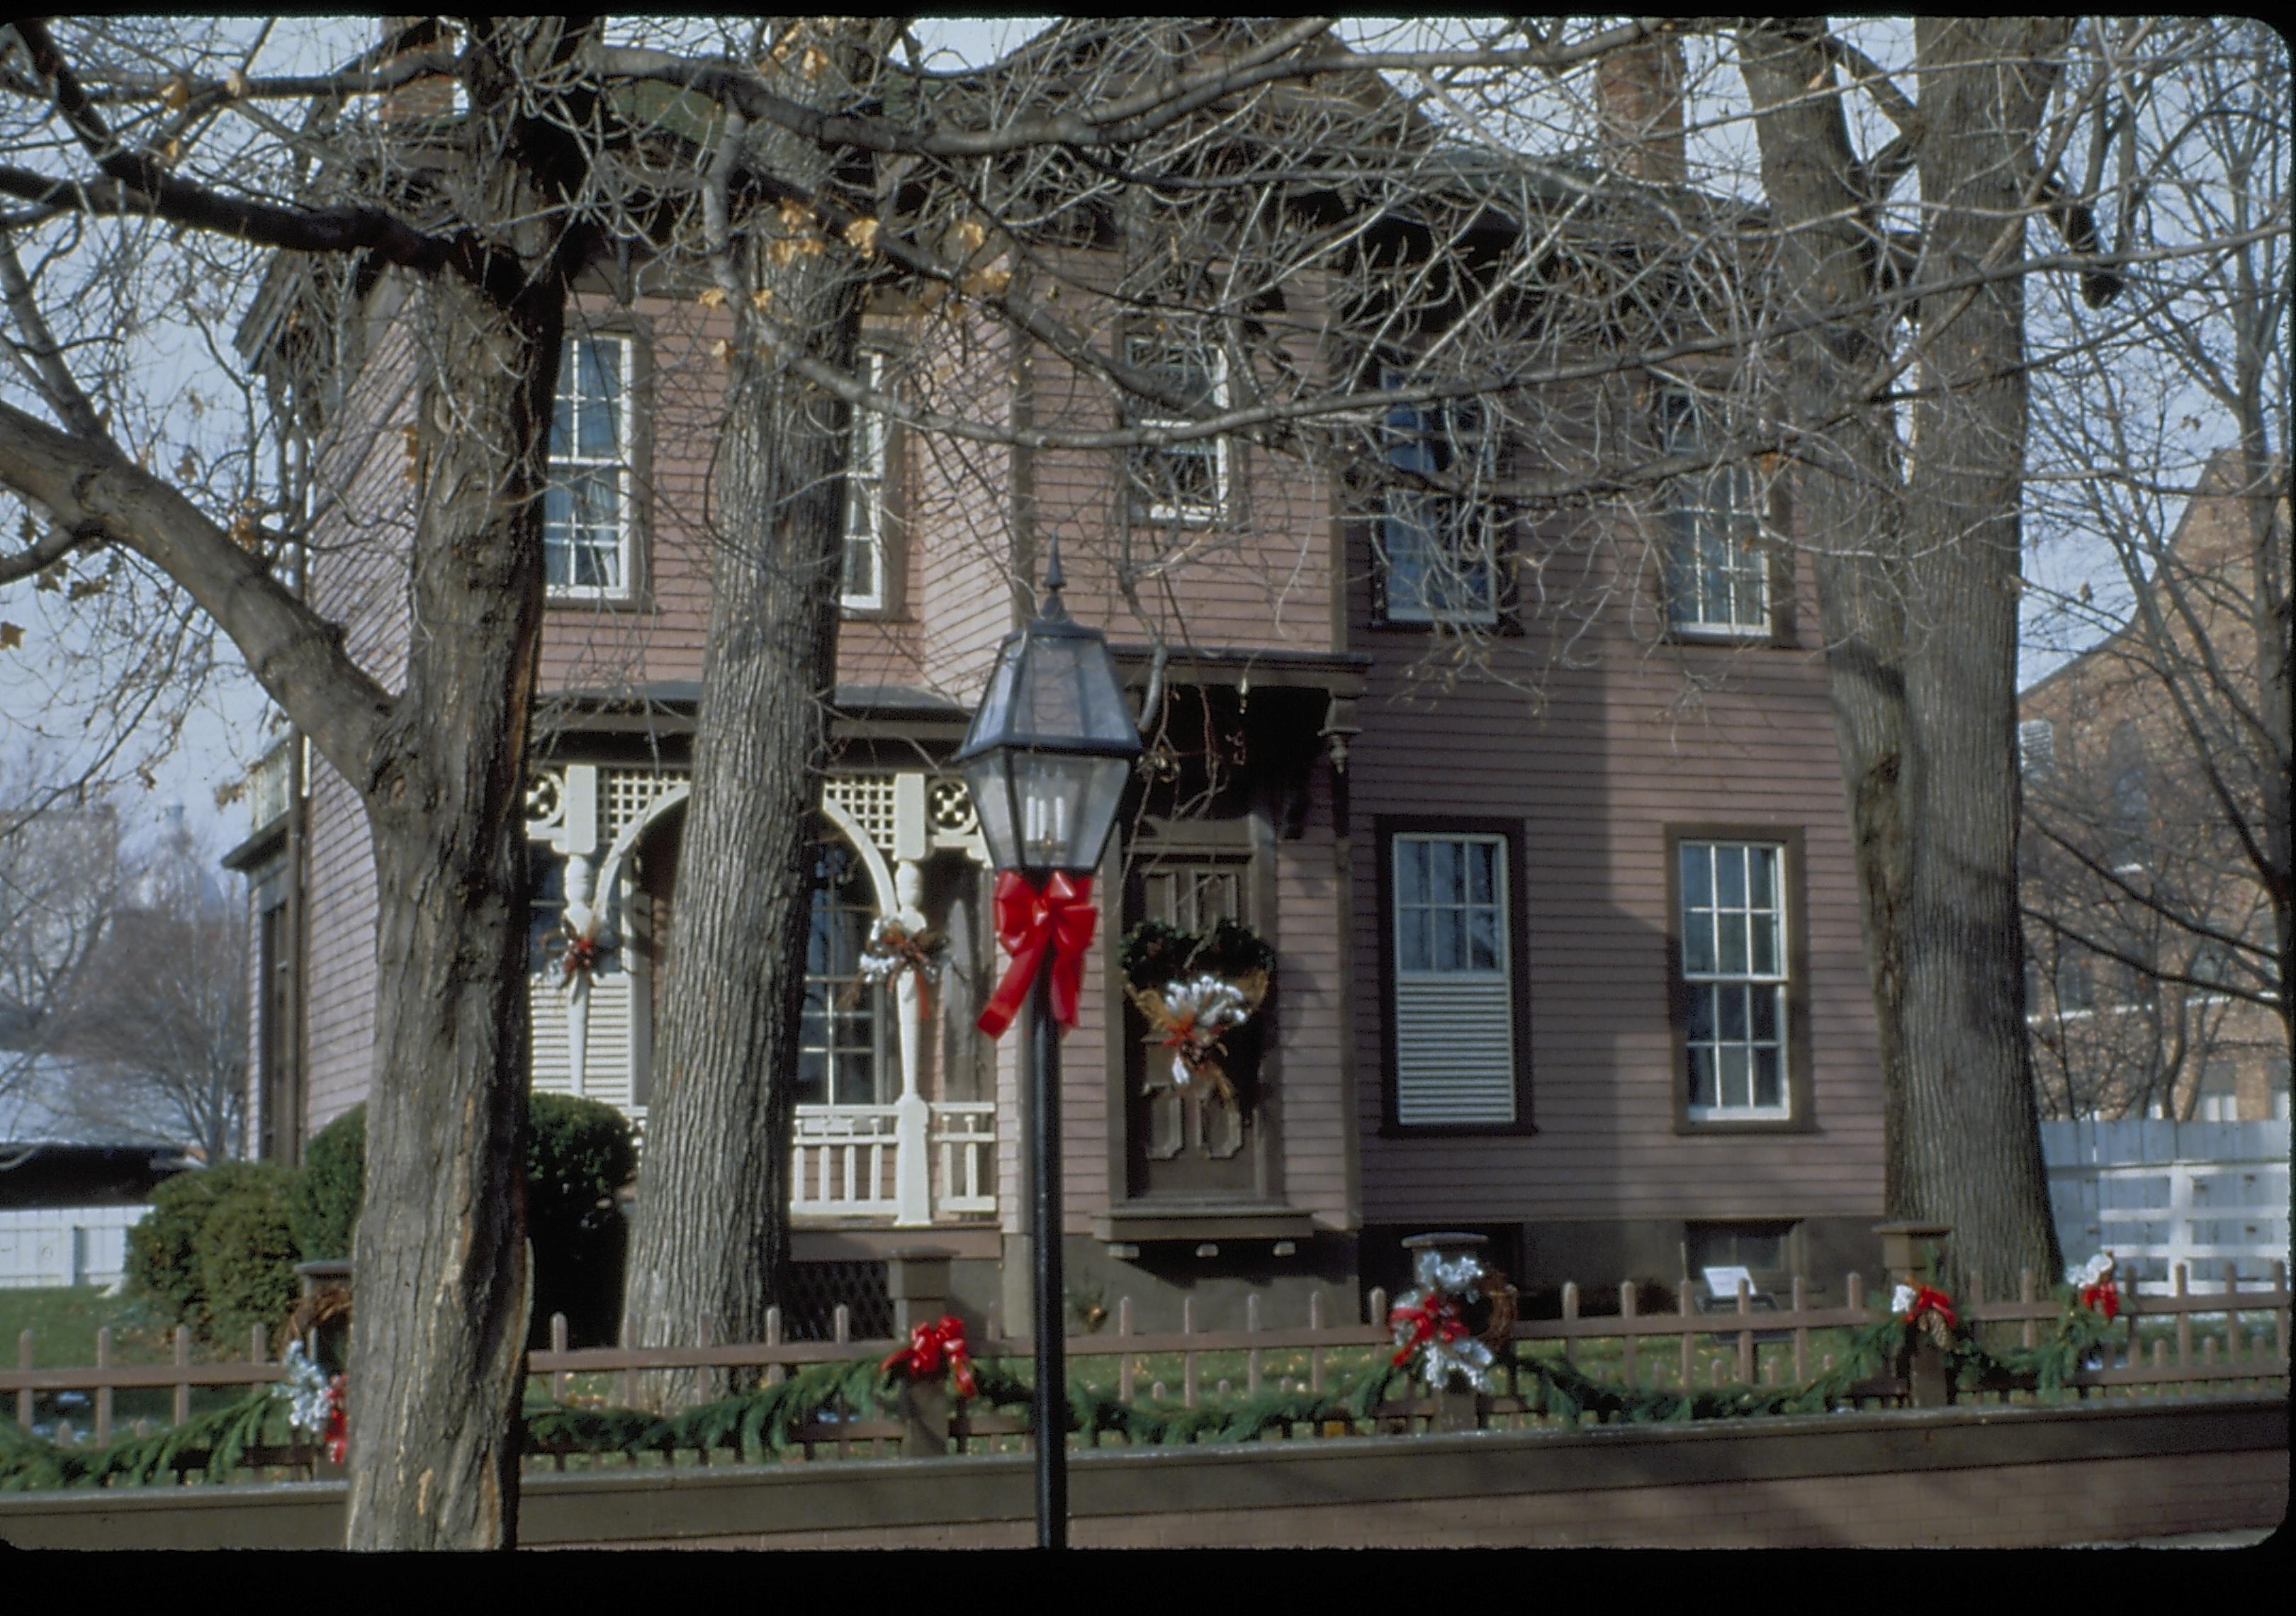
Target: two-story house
x: 1583, y: 974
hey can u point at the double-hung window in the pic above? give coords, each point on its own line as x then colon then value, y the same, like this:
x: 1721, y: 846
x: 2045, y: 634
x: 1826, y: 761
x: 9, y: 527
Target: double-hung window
x: 1453, y: 1011
x: 862, y: 586
x: 1437, y: 548
x: 1734, y: 978
x: 1717, y: 578
x: 587, y: 515
x: 841, y: 1042
x: 1185, y: 481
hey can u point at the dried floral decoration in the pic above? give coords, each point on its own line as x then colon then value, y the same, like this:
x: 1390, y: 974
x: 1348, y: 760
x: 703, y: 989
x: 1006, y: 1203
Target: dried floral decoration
x: 1196, y: 991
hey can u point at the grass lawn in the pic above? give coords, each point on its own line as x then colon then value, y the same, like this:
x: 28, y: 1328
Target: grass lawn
x: 64, y: 1320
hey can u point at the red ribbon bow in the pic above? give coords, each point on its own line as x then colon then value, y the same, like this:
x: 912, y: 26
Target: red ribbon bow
x: 337, y: 1433
x: 1436, y: 1317
x: 2102, y: 1296
x: 1928, y: 1299
x: 581, y: 955
x: 1059, y: 915
x: 929, y: 1346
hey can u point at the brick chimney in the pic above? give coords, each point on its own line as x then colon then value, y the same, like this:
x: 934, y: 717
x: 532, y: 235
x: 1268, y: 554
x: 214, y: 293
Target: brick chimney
x: 1638, y: 92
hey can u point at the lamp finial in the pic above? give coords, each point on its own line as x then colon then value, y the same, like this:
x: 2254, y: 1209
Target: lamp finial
x: 1055, y: 580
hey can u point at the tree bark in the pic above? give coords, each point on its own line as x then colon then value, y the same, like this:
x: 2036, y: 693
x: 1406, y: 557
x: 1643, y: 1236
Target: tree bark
x: 1918, y: 572
x: 438, y: 1374
x: 711, y: 1244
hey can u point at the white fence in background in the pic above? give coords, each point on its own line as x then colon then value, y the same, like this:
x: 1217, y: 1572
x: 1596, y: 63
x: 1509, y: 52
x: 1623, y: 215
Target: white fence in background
x: 65, y: 1245
x: 2155, y: 1194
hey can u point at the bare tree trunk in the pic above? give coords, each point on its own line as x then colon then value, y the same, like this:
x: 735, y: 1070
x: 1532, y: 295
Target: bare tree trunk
x: 711, y: 1244
x: 1969, y: 1072
x: 444, y: 1287
x: 1925, y: 720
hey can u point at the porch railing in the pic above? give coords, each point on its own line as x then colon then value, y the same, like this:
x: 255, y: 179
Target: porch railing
x: 847, y: 1160
x: 965, y: 1156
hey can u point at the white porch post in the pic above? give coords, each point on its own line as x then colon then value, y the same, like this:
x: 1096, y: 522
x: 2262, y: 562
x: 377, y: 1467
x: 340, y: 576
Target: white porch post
x: 577, y: 988
x: 912, y: 1117
x: 578, y: 841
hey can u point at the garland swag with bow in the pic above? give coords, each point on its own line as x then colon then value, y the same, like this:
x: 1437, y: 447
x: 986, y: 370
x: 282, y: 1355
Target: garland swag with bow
x: 893, y: 948
x: 935, y: 1349
x: 1198, y: 992
x: 764, y: 1422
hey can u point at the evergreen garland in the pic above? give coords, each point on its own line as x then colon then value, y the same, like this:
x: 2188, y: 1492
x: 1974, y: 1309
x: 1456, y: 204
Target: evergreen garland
x: 1152, y: 954
x: 28, y: 1464
x: 762, y: 1422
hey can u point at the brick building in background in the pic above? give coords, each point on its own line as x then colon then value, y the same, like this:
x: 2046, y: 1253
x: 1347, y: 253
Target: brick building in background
x: 2152, y: 934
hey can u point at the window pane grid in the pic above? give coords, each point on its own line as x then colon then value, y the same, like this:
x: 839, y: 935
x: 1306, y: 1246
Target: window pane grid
x: 1734, y: 967
x: 1450, y: 898
x: 1716, y: 580
x: 1438, y: 558
x: 840, y: 1039
x: 1184, y: 481
x: 585, y: 505
x: 863, y: 582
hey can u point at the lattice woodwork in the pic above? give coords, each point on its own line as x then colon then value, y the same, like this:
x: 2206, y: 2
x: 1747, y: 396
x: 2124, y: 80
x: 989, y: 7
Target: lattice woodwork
x: 869, y: 799
x: 627, y: 794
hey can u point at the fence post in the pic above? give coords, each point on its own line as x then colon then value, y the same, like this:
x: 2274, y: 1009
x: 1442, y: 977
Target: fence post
x: 1904, y: 1248
x: 102, y: 1385
x: 24, y: 1394
x: 916, y: 1278
x: 183, y: 1405
x: 558, y: 1343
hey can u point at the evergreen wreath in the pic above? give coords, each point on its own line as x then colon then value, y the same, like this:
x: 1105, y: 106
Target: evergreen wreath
x: 1198, y: 992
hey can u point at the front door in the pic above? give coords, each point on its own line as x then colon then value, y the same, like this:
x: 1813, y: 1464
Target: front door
x: 1184, y: 1142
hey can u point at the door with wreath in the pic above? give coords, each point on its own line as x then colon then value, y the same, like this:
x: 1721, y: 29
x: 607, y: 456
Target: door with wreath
x: 1193, y: 1140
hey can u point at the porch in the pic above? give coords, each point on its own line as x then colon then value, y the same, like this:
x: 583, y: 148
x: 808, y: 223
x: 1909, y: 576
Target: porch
x: 896, y: 1121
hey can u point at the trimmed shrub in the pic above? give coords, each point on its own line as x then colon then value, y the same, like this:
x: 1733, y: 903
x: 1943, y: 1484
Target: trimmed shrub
x: 322, y: 1202
x: 577, y: 1153
x: 245, y: 1254
x: 163, y: 1264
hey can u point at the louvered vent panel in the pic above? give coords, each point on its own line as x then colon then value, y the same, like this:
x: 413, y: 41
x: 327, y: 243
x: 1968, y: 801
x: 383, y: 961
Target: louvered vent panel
x: 1454, y: 1051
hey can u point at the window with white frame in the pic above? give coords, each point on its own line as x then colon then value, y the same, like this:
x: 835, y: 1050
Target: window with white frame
x: 586, y: 506
x: 862, y: 586
x: 2037, y: 747
x: 841, y: 1047
x: 587, y: 516
x: 1735, y: 978
x: 1437, y: 549
x: 1185, y: 481
x: 1717, y: 578
x: 2219, y: 1095
x: 1453, y: 1011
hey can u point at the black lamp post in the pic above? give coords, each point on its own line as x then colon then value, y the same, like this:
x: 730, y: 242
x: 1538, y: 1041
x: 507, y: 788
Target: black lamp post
x: 1046, y: 761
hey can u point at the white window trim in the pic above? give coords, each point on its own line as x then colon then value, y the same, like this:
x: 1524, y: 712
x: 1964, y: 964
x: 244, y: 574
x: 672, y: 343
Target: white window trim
x: 1780, y: 982
x: 625, y: 548
x: 2037, y: 747
x: 1214, y: 511
x: 1497, y: 983
x: 1677, y: 406
x: 868, y: 461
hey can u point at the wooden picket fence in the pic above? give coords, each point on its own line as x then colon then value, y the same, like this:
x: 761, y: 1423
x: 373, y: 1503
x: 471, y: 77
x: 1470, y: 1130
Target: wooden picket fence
x: 2167, y: 1345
